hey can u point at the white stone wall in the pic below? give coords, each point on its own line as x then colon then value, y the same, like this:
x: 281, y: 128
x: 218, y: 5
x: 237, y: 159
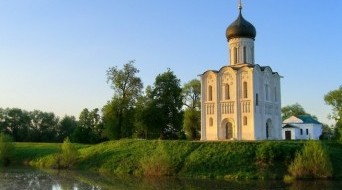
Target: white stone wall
x: 247, y: 119
x: 244, y: 51
x: 314, y: 131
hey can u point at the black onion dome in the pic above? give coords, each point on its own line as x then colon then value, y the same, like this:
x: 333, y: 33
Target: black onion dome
x: 240, y: 28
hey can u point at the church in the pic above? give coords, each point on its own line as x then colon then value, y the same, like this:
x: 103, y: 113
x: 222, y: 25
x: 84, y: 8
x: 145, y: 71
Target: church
x: 241, y: 100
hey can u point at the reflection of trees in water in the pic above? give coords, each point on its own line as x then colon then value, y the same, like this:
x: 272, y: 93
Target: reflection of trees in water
x: 316, y: 185
x: 71, y: 180
x: 28, y: 179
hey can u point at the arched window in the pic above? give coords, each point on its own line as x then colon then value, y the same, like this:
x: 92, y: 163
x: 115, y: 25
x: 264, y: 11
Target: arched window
x: 235, y: 55
x: 226, y: 92
x: 275, y: 94
x: 245, y: 92
x: 266, y: 92
x: 211, y: 122
x: 245, y: 120
x: 307, y: 131
x: 244, y: 55
x: 210, y: 93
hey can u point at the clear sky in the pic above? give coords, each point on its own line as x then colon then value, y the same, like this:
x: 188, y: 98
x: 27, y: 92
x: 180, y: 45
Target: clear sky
x: 54, y: 53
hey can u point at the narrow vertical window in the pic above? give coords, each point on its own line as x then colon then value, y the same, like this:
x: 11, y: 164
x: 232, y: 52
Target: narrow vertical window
x: 275, y: 94
x: 307, y: 131
x: 256, y: 99
x: 244, y: 55
x: 266, y: 91
x: 301, y: 131
x: 226, y: 92
x: 245, y: 120
x: 211, y: 122
x: 252, y: 54
x: 235, y: 55
x: 231, y: 56
x: 245, y: 92
x: 210, y: 93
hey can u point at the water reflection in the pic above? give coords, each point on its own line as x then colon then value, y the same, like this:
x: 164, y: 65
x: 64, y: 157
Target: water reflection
x: 50, y: 179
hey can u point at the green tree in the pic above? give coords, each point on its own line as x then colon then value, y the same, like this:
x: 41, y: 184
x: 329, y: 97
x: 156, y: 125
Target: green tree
x: 66, y: 127
x: 334, y: 99
x: 292, y: 110
x: 338, y: 132
x: 16, y: 123
x: 43, y: 126
x: 6, y: 149
x: 111, y: 121
x: 147, y: 117
x: 192, y: 94
x: 90, y: 127
x: 127, y: 88
x: 35, y: 126
x: 191, y: 98
x: 165, y: 106
x: 192, y: 123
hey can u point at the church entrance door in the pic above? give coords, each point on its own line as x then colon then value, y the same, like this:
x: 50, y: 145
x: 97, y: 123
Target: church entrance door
x: 229, y: 130
x: 287, y: 135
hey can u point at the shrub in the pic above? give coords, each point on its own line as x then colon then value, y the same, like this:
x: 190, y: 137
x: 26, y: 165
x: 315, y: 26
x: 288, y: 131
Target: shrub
x: 157, y: 164
x: 66, y: 158
x: 312, y: 162
x: 69, y: 154
x: 6, y: 149
x: 266, y: 153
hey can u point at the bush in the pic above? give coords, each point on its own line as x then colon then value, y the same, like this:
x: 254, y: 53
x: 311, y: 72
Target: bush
x: 69, y: 154
x: 6, y: 149
x: 157, y: 164
x: 266, y: 153
x: 312, y: 162
x: 65, y: 159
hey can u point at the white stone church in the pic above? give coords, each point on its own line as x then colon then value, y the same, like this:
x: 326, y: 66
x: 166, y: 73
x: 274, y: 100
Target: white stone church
x: 242, y: 100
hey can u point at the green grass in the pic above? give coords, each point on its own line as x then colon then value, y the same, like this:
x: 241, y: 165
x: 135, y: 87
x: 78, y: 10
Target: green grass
x: 229, y: 160
x: 25, y: 152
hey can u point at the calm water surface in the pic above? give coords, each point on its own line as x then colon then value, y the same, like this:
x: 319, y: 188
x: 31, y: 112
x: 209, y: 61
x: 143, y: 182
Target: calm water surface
x: 31, y: 179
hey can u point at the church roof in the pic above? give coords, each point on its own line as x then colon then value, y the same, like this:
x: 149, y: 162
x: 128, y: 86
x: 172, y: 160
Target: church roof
x: 301, y: 119
x: 240, y: 28
x: 239, y: 66
x: 308, y: 119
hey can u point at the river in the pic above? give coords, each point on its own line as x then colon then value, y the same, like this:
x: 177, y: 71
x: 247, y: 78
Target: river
x: 31, y: 179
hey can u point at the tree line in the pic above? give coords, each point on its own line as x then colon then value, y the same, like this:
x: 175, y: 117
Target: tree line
x: 164, y: 110
x: 39, y: 126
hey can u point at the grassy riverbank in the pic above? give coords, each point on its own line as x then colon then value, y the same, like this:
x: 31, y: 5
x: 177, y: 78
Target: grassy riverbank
x: 229, y: 160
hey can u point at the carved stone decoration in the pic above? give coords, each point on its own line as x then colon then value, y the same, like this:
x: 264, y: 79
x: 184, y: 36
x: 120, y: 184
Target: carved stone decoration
x: 244, y: 75
x: 210, y: 79
x: 227, y: 78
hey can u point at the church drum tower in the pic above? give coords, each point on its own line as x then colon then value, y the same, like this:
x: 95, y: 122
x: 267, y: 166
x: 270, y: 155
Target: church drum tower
x: 241, y: 101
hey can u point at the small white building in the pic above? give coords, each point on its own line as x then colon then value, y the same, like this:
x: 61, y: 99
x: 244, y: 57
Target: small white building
x: 301, y: 127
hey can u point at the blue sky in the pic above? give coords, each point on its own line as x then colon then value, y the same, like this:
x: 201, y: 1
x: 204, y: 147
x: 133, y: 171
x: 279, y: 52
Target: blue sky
x: 54, y: 53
